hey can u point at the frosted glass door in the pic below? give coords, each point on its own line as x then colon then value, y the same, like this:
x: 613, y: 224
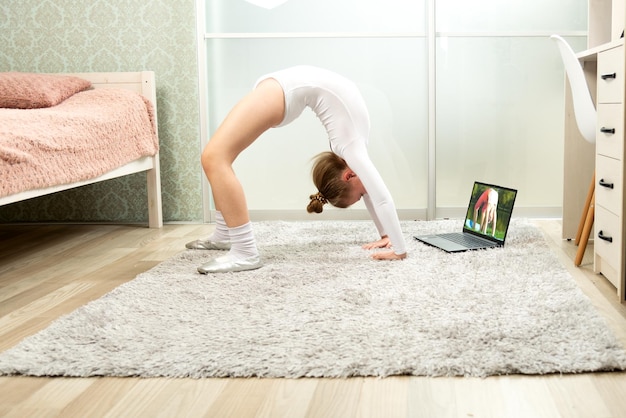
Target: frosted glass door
x: 500, y: 99
x: 498, y: 89
x: 381, y: 48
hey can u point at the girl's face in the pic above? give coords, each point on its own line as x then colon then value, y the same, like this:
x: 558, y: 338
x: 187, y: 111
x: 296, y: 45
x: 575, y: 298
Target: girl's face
x: 356, y: 190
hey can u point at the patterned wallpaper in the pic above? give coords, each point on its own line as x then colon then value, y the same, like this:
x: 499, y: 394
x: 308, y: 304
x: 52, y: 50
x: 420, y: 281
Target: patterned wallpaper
x: 115, y: 35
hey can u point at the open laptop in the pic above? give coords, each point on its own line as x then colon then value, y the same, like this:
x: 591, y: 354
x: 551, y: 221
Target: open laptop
x: 486, y: 222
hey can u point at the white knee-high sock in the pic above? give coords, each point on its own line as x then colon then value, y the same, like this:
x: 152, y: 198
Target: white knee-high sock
x: 220, y: 234
x: 242, y: 242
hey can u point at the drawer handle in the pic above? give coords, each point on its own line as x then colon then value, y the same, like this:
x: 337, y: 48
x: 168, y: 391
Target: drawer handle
x: 605, y: 184
x: 604, y: 237
x: 606, y: 76
x: 607, y: 130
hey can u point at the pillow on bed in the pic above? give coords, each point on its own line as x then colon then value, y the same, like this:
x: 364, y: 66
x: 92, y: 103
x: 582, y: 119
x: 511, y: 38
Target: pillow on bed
x: 32, y: 91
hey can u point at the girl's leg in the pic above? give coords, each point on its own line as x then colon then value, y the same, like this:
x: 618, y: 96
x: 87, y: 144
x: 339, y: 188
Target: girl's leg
x: 253, y: 115
x: 218, y: 240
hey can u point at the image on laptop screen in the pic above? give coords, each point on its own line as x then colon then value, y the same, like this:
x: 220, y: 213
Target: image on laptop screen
x: 489, y: 211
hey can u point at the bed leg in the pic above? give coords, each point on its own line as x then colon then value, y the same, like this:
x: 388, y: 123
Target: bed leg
x: 155, y: 208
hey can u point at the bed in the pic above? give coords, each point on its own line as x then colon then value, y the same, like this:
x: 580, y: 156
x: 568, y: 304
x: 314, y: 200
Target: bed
x: 41, y: 154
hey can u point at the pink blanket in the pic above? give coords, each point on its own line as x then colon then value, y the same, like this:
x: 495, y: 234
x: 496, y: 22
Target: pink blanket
x: 85, y: 136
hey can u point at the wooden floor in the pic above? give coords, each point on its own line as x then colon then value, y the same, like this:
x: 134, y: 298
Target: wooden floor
x: 48, y: 271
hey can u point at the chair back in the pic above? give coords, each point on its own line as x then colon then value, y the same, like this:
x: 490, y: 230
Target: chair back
x: 584, y: 109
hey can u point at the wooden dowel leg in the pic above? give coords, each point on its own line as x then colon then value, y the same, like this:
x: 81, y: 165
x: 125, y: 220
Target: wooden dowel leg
x: 585, y: 232
x: 584, y: 215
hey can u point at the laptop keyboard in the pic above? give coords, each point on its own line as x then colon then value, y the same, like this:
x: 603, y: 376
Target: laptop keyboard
x: 466, y: 240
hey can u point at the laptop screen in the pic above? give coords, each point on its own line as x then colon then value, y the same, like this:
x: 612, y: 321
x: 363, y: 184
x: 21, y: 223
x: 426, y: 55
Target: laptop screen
x: 489, y: 211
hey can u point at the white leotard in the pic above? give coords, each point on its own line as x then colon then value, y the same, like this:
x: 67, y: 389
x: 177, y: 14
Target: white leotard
x: 340, y: 107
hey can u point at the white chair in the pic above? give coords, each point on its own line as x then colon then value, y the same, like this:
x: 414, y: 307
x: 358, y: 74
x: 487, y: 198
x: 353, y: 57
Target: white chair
x: 586, y: 120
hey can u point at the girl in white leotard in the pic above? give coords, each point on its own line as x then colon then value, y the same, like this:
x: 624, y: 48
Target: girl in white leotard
x: 342, y: 176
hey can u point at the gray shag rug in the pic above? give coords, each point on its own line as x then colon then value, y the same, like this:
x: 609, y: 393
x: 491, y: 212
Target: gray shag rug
x: 320, y: 307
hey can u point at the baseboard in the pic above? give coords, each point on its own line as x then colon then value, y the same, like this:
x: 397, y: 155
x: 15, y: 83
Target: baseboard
x: 328, y: 214
x: 403, y: 214
x: 518, y: 212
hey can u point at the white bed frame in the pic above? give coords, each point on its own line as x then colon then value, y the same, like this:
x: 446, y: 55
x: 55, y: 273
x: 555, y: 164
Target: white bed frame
x: 142, y: 82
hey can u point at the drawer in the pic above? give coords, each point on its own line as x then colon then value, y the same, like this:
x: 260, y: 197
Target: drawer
x: 611, y: 75
x: 609, y: 184
x: 608, y: 225
x: 610, y: 134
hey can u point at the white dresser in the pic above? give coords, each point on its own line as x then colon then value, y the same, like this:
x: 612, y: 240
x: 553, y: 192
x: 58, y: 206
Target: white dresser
x: 610, y: 222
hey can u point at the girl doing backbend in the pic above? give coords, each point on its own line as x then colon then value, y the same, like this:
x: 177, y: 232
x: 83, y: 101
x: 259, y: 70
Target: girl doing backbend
x: 342, y: 176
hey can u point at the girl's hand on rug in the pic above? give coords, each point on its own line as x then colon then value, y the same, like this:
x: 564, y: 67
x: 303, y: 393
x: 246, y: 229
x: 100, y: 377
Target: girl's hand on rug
x: 381, y: 243
x: 388, y: 255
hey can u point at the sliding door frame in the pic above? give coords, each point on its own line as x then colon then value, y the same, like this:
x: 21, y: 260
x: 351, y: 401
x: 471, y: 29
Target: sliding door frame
x: 431, y: 35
